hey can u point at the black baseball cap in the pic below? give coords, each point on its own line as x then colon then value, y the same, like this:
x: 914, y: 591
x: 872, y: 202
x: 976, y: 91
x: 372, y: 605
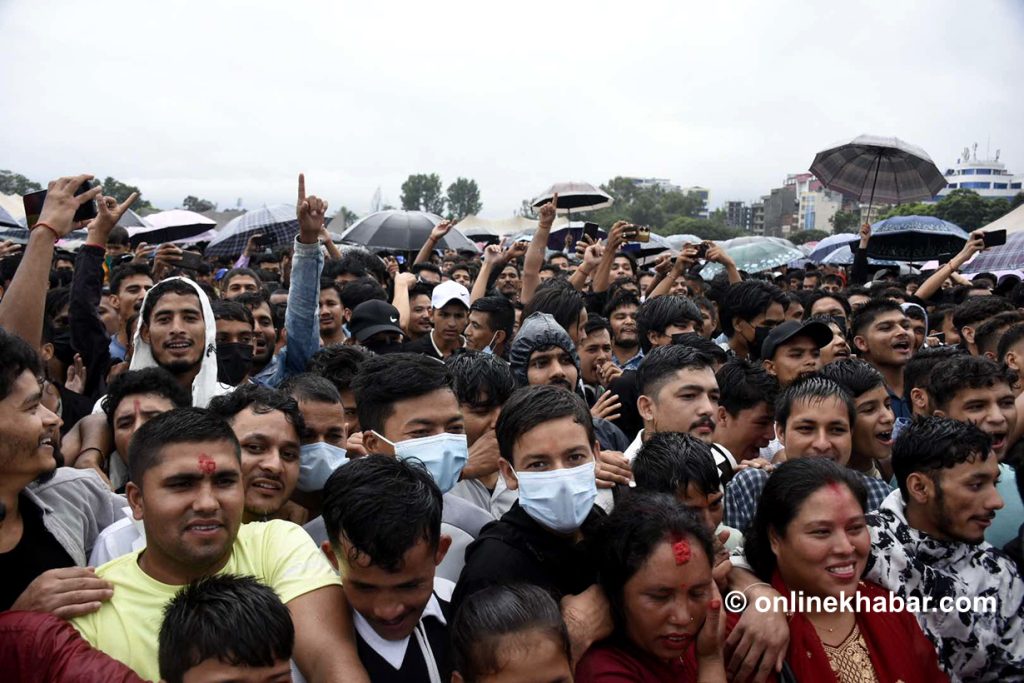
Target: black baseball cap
x: 820, y: 334
x: 372, y: 317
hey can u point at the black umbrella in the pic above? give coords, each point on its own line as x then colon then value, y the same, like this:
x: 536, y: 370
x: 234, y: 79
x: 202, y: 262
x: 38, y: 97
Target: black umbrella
x: 574, y: 196
x: 403, y: 231
x: 915, y: 238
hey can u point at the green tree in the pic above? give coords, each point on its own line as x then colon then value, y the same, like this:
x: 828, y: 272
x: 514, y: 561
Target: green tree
x: 966, y: 208
x: 701, y: 227
x: 1017, y: 200
x: 996, y: 209
x: 422, y: 192
x: 15, y: 183
x: 198, y: 205
x: 120, y: 191
x: 805, y: 236
x: 347, y: 216
x: 845, y: 221
x: 914, y: 209
x: 463, y: 198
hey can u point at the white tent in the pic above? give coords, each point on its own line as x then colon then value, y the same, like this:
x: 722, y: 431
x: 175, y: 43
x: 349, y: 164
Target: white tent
x: 1011, y: 222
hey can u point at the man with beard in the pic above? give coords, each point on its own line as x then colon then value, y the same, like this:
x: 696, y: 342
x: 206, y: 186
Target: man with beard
x: 976, y: 390
x: 621, y: 313
x: 793, y: 350
x: 186, y: 487
x: 49, y: 515
x: 881, y: 334
x: 928, y: 541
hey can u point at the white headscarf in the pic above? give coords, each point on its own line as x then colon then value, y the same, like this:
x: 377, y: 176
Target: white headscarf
x: 205, y: 386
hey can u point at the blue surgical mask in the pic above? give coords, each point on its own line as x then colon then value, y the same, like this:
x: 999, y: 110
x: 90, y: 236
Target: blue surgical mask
x: 489, y: 349
x: 317, y: 462
x: 444, y: 456
x: 559, y: 499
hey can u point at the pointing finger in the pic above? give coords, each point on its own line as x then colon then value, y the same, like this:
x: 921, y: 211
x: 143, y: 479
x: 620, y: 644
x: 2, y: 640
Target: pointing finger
x: 302, y: 187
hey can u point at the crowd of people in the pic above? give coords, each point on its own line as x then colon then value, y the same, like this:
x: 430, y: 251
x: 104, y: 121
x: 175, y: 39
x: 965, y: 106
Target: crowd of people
x: 314, y: 462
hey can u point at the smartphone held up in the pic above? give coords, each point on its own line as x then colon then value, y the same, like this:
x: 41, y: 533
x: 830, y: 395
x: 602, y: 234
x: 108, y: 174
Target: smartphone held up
x: 34, y: 201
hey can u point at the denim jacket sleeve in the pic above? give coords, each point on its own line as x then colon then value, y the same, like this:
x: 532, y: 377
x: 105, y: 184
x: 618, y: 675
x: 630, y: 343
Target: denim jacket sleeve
x: 300, y: 319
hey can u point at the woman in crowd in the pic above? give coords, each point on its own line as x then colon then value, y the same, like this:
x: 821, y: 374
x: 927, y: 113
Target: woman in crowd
x: 809, y: 539
x: 506, y: 634
x: 655, y: 568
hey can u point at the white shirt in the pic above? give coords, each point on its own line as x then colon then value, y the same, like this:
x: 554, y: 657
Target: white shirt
x: 393, y: 651
x: 120, y: 538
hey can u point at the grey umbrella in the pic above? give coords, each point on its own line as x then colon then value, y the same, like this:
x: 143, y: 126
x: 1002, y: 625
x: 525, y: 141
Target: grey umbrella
x: 403, y: 231
x: 873, y: 167
x: 574, y: 196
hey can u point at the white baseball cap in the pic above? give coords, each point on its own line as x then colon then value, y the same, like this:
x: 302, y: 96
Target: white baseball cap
x: 447, y: 292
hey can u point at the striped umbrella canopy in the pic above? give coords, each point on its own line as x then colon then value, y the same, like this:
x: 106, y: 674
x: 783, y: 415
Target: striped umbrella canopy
x: 1009, y: 256
x: 277, y: 221
x: 843, y: 256
x: 875, y: 168
x: 828, y: 245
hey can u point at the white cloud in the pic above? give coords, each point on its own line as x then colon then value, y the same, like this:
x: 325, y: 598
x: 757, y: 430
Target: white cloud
x: 228, y: 99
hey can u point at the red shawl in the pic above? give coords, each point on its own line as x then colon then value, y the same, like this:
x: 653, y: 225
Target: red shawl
x: 898, y: 648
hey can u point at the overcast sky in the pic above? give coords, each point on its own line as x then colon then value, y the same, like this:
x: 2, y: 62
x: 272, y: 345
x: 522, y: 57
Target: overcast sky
x: 231, y: 99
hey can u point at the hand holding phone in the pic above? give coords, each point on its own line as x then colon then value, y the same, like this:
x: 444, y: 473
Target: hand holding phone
x: 67, y: 200
x: 994, y: 238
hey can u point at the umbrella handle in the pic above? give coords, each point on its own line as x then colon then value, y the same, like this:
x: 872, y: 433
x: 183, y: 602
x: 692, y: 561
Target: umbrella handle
x: 874, y: 183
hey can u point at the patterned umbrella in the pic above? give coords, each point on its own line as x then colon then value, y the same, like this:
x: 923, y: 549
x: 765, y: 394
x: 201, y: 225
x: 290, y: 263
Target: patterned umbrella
x: 1009, y: 256
x: 829, y: 245
x: 873, y: 167
x: 278, y: 222
x: 843, y: 256
x: 755, y: 254
x: 915, y: 238
x: 175, y: 225
x: 402, y: 231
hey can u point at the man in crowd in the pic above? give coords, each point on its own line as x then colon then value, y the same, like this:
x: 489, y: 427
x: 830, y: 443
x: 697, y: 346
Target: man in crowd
x: 383, y: 520
x: 240, y: 281
x: 186, y: 487
x: 339, y: 365
x: 128, y: 285
x: 331, y: 314
x: 928, y: 541
x: 793, y: 350
x: 375, y: 325
x: 881, y: 336
x: 450, y: 304
x: 969, y: 316
x: 491, y: 320
x: 917, y: 377
x: 745, y: 422
x: 621, y: 312
x: 596, y: 366
x: 323, y: 435
x: 235, y: 342
x: 747, y: 313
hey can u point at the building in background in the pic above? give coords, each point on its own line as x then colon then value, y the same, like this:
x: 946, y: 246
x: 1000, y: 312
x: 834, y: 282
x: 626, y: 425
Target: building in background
x: 652, y: 183
x: 757, y: 216
x: 987, y: 177
x: 738, y: 215
x: 780, y: 207
x: 816, y: 209
x: 704, y: 194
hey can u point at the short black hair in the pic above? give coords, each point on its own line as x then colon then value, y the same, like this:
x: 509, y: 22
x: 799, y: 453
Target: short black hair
x: 360, y: 291
x: 662, y: 363
x: 1010, y: 338
x: 339, y: 363
x: 669, y: 462
x: 153, y: 380
x: 226, y: 309
x: 418, y: 268
x: 812, y: 389
x: 596, y: 322
x: 966, y: 372
x: 383, y: 381
x: 917, y: 372
x: 856, y: 376
x: 746, y: 300
x: 639, y: 523
x: 181, y: 425
x: 532, y: 406
x: 16, y: 357
x: 309, y: 386
x: 262, y: 400
x: 485, y: 618
x: 866, y: 315
x: 701, y: 345
x: 233, y: 619
x: 977, y: 309
x: 990, y: 332
x: 657, y: 314
x: 744, y: 385
x: 501, y: 315
x: 932, y: 444
x: 818, y: 294
x: 237, y: 272
x: 560, y: 299
x: 125, y: 271
x: 621, y: 298
x: 792, y: 483
x: 253, y: 300
x: 383, y: 506
x: 119, y: 236
x: 161, y: 289
x: 480, y: 380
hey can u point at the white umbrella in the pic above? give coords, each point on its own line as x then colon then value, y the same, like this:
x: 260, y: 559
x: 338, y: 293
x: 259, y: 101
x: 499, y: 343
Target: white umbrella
x: 176, y: 225
x: 574, y: 196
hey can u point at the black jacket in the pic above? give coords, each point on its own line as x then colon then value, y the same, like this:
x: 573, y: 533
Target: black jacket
x: 518, y: 549
x: 88, y: 335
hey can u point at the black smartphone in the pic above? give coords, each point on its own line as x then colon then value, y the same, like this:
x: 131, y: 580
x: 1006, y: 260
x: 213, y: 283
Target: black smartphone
x: 123, y: 259
x: 263, y: 241
x: 190, y: 260
x: 34, y: 201
x: 590, y: 230
x: 994, y: 238
x: 702, y: 250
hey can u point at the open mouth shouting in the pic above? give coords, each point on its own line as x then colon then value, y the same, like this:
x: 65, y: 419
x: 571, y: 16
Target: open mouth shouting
x: 884, y: 438
x: 902, y: 346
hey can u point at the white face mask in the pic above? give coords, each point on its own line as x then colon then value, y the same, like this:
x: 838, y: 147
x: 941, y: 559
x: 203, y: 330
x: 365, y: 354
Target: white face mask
x: 559, y: 499
x: 317, y: 462
x: 444, y: 456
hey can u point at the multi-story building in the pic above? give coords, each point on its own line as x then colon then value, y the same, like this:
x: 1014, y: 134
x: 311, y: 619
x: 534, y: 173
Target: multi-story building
x: 817, y: 208
x: 987, y: 177
x: 738, y: 215
x: 705, y: 196
x: 780, y: 209
x: 659, y: 183
x: 757, y: 216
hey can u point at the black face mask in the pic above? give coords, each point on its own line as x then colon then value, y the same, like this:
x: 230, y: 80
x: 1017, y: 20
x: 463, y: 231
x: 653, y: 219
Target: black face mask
x: 381, y: 348
x: 62, y: 348
x: 233, y: 362
x: 760, y: 334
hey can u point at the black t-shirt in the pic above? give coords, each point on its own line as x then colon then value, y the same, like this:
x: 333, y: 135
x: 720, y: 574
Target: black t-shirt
x: 626, y: 388
x: 37, y: 551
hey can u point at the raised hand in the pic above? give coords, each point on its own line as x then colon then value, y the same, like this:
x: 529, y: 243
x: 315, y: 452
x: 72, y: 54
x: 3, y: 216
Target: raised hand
x: 167, y: 257
x: 76, y: 376
x: 607, y: 407
x: 406, y: 280
x: 865, y: 234
x: 440, y: 230
x: 492, y: 254
x: 517, y: 250
x: 592, y: 256
x: 61, y: 203
x: 310, y: 212
x: 9, y: 248
x: 547, y: 213
x: 617, y: 235
x: 717, y: 254
x: 108, y: 213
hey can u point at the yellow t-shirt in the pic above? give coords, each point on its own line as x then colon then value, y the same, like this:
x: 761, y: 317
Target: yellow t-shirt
x: 127, y: 627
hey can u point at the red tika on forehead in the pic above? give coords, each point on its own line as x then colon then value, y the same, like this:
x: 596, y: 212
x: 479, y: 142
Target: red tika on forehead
x: 206, y: 464
x: 681, y: 551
